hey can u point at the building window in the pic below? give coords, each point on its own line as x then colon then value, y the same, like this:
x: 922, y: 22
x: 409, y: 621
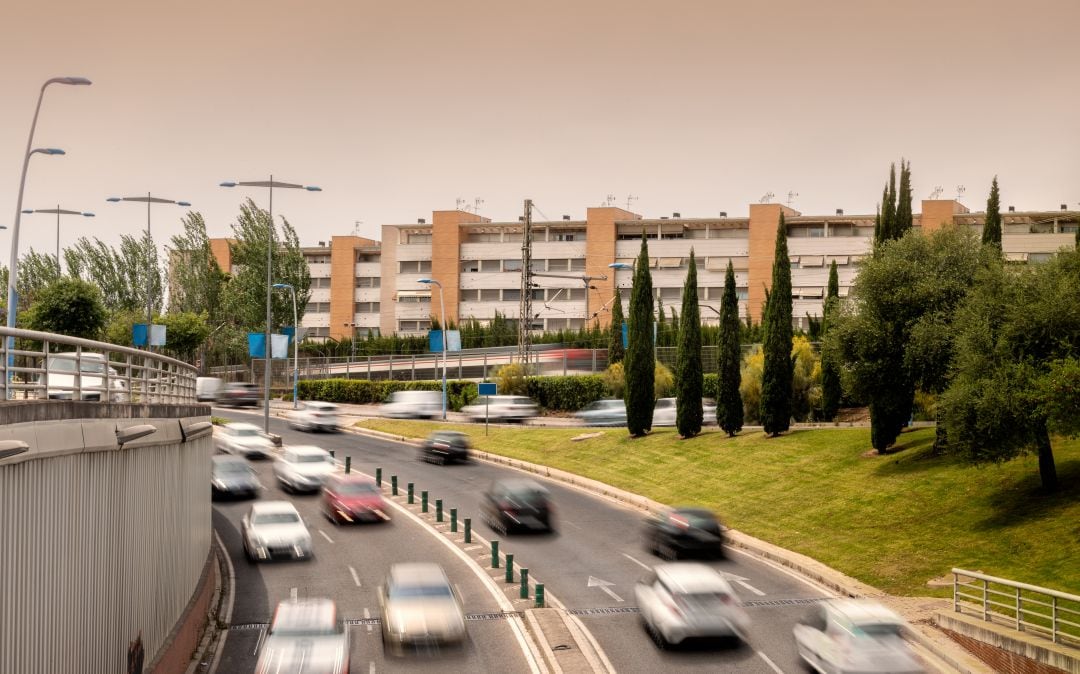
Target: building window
x: 577, y: 264
x: 483, y: 237
x: 316, y: 333
x: 538, y: 265
x: 366, y: 307
x: 368, y: 282
x: 511, y: 294
x: 317, y: 259
x: 413, y: 326
x: 489, y: 295
x: 1037, y: 258
x: 365, y: 333
x: 668, y: 294
x: 419, y: 238
x: 367, y: 257
x: 319, y: 283
x: 558, y: 265
x: 511, y: 265
x: 414, y: 266
x: 567, y: 235
x: 413, y: 299
x: 513, y: 237
x: 557, y: 323
x: 470, y: 266
x: 318, y: 308
x: 538, y: 294
x: 490, y: 265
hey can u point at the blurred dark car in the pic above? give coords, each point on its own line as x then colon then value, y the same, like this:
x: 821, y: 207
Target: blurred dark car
x: 233, y: 476
x: 353, y: 498
x: 515, y: 504
x: 684, y: 532
x: 240, y: 394
x: 445, y: 446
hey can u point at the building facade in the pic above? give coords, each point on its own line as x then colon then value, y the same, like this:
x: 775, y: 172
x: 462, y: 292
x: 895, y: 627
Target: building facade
x: 361, y: 286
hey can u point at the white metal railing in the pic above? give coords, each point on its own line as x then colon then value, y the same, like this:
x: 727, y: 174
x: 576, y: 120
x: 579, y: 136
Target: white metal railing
x: 1027, y: 608
x: 42, y: 365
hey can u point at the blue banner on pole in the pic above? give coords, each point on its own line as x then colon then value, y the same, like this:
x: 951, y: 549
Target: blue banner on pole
x: 625, y: 335
x: 291, y: 332
x: 257, y: 345
x: 435, y: 340
x: 138, y: 334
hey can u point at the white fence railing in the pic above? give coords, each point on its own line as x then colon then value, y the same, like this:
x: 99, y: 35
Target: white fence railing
x: 42, y: 365
x: 1027, y: 608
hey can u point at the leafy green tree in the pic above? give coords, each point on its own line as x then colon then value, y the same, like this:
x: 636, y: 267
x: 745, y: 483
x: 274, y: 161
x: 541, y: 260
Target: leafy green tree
x: 729, y: 403
x: 36, y: 272
x: 777, y: 375
x: 640, y: 358
x: 689, y: 377
x: 831, y: 389
x: 196, y: 281
x: 185, y: 334
x: 616, y: 353
x: 68, y: 306
x: 992, y: 229
x: 1015, y: 340
x: 125, y: 276
x: 904, y: 218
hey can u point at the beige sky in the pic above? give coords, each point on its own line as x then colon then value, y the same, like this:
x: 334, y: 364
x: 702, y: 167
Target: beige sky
x: 399, y: 108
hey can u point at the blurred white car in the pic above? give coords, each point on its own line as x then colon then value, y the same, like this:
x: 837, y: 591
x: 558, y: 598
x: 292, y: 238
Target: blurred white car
x: 846, y: 636
x: 303, y: 468
x: 315, y: 416
x: 420, y: 608
x: 501, y: 408
x: 412, y: 405
x: 93, y: 372
x: 606, y: 412
x: 275, y: 529
x: 684, y: 600
x: 247, y: 440
x: 664, y: 412
x: 306, y: 635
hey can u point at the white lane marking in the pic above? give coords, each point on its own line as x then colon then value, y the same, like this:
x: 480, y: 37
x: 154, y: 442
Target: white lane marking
x: 371, y: 667
x: 292, y: 593
x: 806, y: 581
x: 603, y: 585
x: 470, y: 548
x: 638, y: 562
x: 750, y: 587
x: 258, y: 644
x: 367, y: 616
x: 572, y: 524
x: 228, y: 604
x: 770, y: 662
x: 460, y: 594
x: 325, y: 536
x: 355, y: 577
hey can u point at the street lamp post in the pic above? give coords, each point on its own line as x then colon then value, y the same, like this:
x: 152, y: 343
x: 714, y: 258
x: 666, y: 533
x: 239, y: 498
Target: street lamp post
x: 352, y: 349
x: 269, y: 184
x: 58, y: 211
x: 442, y: 319
x: 296, y: 343
x: 150, y: 263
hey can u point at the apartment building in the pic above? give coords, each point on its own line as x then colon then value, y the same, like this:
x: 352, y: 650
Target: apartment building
x: 368, y: 286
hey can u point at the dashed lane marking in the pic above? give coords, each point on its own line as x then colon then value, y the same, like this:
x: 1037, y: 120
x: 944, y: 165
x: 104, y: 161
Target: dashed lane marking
x: 331, y: 540
x: 355, y: 577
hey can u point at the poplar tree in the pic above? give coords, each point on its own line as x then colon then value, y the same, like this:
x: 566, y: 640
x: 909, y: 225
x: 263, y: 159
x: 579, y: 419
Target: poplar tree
x: 640, y: 365
x: 689, y: 378
x: 992, y: 230
x: 830, y: 372
x: 615, y: 345
x: 777, y: 373
x: 729, y: 404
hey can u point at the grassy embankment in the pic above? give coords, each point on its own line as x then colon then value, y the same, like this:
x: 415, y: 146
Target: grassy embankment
x: 893, y: 521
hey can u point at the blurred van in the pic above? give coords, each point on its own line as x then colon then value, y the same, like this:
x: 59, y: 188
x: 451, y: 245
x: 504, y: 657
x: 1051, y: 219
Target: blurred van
x: 208, y: 389
x: 413, y: 405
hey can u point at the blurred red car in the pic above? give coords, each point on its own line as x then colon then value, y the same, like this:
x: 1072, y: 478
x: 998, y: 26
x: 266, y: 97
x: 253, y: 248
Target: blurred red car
x: 347, y: 499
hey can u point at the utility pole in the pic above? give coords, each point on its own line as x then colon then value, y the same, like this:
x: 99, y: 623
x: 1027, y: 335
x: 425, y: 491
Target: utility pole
x: 525, y: 310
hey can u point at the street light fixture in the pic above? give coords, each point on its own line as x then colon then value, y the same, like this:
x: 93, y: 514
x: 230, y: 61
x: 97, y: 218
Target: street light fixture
x: 148, y: 200
x: 442, y: 309
x: 296, y: 343
x: 270, y: 184
x: 58, y: 211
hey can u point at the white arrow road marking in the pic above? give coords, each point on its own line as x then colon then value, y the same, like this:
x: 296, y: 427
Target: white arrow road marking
x: 355, y: 577
x: 605, y: 586
x: 742, y: 581
x: 639, y: 563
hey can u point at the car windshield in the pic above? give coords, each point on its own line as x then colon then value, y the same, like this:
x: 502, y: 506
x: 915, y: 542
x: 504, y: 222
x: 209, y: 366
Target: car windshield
x: 356, y: 488
x: 311, y: 458
x: 417, y: 591
x: 530, y: 497
x: 703, y: 601
x: 232, y: 469
x: 692, y: 520
x: 67, y: 364
x: 275, y: 518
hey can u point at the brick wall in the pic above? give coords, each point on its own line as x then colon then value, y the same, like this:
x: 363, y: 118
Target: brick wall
x: 937, y: 213
x: 446, y: 237
x: 1001, y: 660
x: 601, y: 233
x: 764, y: 219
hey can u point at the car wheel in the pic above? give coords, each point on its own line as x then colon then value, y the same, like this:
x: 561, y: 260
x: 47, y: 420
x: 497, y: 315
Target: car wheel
x: 667, y: 552
x: 656, y: 637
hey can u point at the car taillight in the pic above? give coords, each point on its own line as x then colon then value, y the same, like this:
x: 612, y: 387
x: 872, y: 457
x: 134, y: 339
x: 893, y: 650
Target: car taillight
x: 726, y: 599
x: 680, y: 522
x: 676, y: 605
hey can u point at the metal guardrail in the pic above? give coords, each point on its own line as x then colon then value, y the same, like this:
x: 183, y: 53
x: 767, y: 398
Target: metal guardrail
x: 1026, y: 608
x: 42, y: 365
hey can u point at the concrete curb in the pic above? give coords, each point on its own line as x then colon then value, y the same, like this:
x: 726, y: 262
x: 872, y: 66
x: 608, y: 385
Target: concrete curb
x: 951, y: 654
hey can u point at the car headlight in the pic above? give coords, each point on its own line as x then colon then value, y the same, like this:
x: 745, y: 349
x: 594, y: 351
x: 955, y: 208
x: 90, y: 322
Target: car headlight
x: 219, y: 484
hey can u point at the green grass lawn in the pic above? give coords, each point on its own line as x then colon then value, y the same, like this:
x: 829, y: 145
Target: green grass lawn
x: 893, y: 521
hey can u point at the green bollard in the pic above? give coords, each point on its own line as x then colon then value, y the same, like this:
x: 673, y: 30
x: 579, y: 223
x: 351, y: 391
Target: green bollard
x: 410, y: 493
x: 393, y: 485
x: 494, y: 554
x: 468, y: 530
x: 509, y: 567
x: 378, y: 477
x: 348, y: 464
x: 423, y: 501
x: 438, y: 510
x: 453, y: 520
x: 539, y: 595
x: 524, y: 584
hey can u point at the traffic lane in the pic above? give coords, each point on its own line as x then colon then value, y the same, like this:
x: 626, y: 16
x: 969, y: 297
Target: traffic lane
x: 349, y: 564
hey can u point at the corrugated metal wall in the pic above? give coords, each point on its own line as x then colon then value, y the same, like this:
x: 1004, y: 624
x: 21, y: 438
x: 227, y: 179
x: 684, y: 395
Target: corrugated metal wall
x: 94, y: 549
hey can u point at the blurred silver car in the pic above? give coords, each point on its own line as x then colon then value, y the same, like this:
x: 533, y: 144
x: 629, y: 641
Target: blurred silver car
x: 233, y: 476
x: 665, y: 411
x: 275, y: 529
x: 501, y: 408
x: 846, y: 636
x: 315, y: 416
x: 412, y: 405
x: 684, y: 600
x: 607, y: 412
x: 247, y: 440
x: 420, y: 608
x: 305, y: 636
x: 302, y: 468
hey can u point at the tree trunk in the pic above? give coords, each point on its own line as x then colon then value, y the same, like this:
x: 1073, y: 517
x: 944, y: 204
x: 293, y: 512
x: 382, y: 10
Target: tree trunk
x: 1047, y: 470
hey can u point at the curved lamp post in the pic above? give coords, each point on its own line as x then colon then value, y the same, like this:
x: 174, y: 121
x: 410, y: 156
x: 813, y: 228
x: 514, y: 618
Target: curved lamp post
x: 270, y: 184
x: 58, y: 211
x: 296, y: 342
x: 442, y: 309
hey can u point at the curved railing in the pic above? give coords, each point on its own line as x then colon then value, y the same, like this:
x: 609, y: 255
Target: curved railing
x: 41, y: 365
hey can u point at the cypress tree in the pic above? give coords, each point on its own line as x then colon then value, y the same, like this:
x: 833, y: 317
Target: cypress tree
x: 615, y: 346
x: 903, y: 222
x: 992, y: 230
x: 661, y: 322
x: 830, y: 373
x: 689, y: 377
x: 729, y: 404
x: 885, y: 225
x: 640, y: 365
x: 777, y: 374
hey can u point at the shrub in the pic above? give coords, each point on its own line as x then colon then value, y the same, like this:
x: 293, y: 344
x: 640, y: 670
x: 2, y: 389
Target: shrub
x: 366, y: 392
x: 511, y: 379
x: 805, y: 380
x: 615, y: 380
x: 750, y: 388
x: 708, y: 388
x: 566, y: 394
x: 663, y: 382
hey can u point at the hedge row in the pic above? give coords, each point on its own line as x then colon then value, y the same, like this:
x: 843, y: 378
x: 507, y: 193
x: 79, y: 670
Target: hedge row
x: 566, y: 394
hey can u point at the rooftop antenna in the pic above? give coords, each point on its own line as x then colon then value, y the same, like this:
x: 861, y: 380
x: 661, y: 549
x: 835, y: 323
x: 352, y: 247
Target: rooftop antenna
x: 459, y: 204
x: 356, y: 227
x: 630, y: 198
x: 960, y: 189
x: 610, y: 200
x: 476, y: 204
x: 791, y: 197
x: 936, y: 194
x: 767, y: 198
